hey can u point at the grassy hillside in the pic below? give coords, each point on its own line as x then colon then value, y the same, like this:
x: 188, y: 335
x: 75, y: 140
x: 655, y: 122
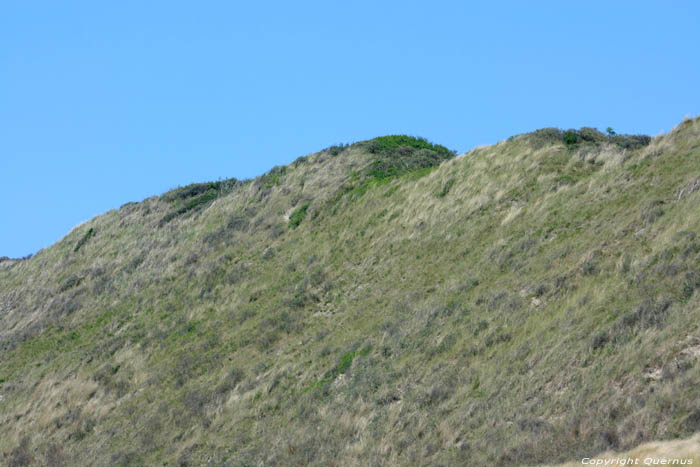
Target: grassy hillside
x: 535, y: 301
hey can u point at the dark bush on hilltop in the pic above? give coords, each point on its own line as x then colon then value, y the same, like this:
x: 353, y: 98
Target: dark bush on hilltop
x: 336, y: 149
x: 591, y: 135
x: 189, y: 205
x: 586, y: 136
x: 570, y: 137
x: 543, y: 137
x: 400, y: 154
x: 383, y: 144
x: 195, y: 195
x: 197, y: 189
x: 189, y: 191
x: 273, y: 177
x: 631, y: 141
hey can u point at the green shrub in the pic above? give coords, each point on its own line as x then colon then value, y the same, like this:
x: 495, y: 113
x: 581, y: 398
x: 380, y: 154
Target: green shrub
x: 691, y: 283
x: 400, y: 154
x: 273, y: 177
x: 631, y: 142
x: 190, y: 204
x: 591, y: 135
x: 585, y: 136
x: 543, y: 137
x: 570, y: 137
x: 88, y: 235
x: 300, y: 161
x: 298, y: 215
x: 196, y: 189
x: 198, y: 201
x: 189, y: 191
x: 72, y: 281
x: 336, y: 149
x: 195, y: 195
x: 599, y: 340
x: 392, y: 142
x: 344, y: 363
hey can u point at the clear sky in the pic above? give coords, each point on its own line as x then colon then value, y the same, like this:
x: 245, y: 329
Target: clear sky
x: 107, y: 102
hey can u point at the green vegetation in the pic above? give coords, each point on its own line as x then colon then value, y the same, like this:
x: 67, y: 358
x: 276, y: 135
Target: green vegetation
x: 194, y: 196
x: 273, y: 177
x: 191, y: 191
x: 298, y: 215
x: 530, y: 302
x: 570, y: 137
x: 587, y: 137
x: 336, y: 149
x: 593, y: 137
x: 400, y: 154
x: 446, y: 188
x: 341, y: 368
x: 84, y: 239
x: 392, y: 143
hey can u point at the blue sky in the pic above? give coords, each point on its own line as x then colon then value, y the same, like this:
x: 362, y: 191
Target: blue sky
x: 107, y: 102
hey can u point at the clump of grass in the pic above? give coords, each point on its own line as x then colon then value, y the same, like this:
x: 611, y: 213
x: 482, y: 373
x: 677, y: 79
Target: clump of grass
x: 446, y: 187
x: 21, y: 455
x: 342, y: 367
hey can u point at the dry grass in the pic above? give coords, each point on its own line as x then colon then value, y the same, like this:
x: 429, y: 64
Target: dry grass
x: 515, y: 300
x: 676, y: 452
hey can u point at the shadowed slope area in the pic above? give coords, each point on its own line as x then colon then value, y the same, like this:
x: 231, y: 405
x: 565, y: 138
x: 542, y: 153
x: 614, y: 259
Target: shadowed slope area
x: 379, y: 303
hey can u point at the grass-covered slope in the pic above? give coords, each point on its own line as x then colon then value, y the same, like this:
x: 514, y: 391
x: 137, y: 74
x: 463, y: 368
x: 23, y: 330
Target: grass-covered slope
x: 381, y: 303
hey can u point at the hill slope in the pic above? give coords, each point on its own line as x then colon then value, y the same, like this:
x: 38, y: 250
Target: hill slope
x: 379, y: 303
